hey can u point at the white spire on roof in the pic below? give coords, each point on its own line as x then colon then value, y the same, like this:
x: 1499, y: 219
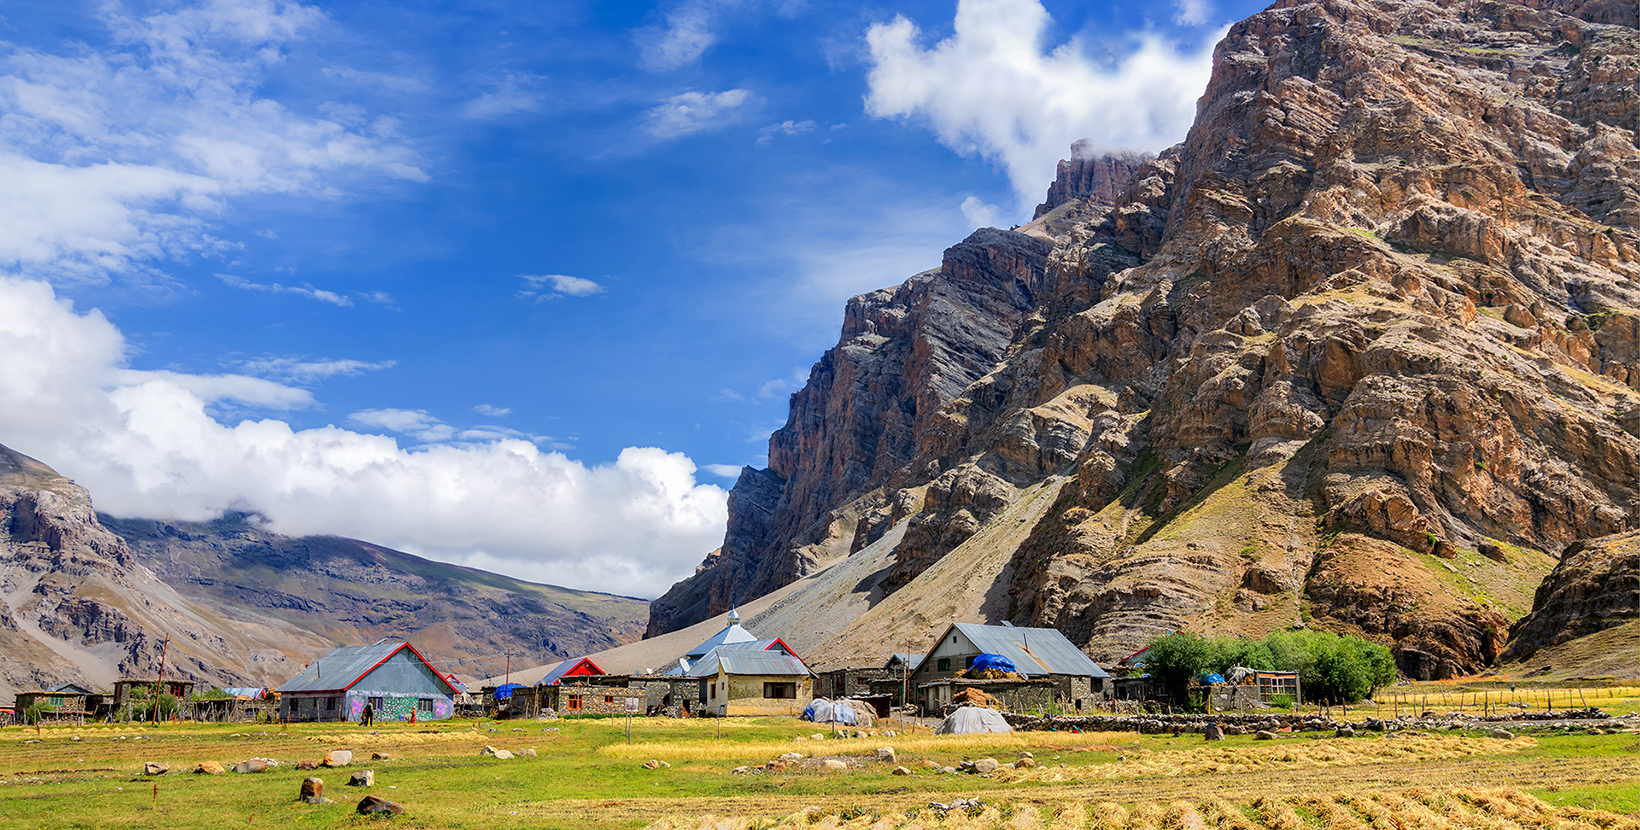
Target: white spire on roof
x: 734, y: 617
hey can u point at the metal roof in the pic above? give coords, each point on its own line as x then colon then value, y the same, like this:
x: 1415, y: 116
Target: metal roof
x: 552, y: 677
x: 731, y: 633
x: 747, y: 661
x: 345, y: 666
x: 1034, y: 651
x: 897, y: 658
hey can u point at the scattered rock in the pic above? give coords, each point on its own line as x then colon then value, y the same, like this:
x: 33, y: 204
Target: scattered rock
x: 375, y: 805
x: 1026, y: 762
x: 741, y: 771
x: 1501, y: 734
x: 209, y: 768
x: 363, y: 778
x: 934, y: 765
x: 1213, y: 732
x: 985, y: 766
x: 380, y: 756
x: 527, y: 753
x: 833, y: 765
x: 304, y: 765
x: 900, y: 771
x: 253, y: 765
x: 656, y: 763
x: 1344, y: 732
x: 791, y: 756
x: 317, y: 800
x: 337, y: 758
x: 488, y: 752
x: 311, y: 788
x: 155, y: 768
x: 886, y: 755
x: 948, y: 770
x: 818, y: 736
x: 503, y: 755
x: 1264, y: 735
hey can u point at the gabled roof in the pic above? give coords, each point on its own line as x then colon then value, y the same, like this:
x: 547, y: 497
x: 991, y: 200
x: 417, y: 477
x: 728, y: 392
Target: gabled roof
x: 558, y: 672
x: 775, y: 645
x: 897, y: 659
x: 68, y: 689
x: 747, y: 661
x: 731, y: 634
x: 343, y: 667
x: 1034, y: 651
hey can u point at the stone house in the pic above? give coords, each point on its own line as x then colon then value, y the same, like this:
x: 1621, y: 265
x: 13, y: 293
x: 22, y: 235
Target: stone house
x: 753, y: 679
x: 1037, y: 653
x: 390, y: 676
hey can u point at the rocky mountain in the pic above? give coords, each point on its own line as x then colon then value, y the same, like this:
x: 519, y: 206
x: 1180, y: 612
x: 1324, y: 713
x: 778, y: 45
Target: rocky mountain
x: 90, y: 599
x: 1595, y: 588
x: 348, y: 591
x: 1360, y: 353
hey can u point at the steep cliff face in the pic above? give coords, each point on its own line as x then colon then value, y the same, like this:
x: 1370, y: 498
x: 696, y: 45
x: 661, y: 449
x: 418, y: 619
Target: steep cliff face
x: 1376, y: 317
x: 1595, y: 587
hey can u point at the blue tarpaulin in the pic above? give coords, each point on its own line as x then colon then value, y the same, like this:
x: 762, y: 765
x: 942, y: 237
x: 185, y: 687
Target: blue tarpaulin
x: 1210, y: 678
x: 821, y: 710
x: 992, y: 661
x: 505, y: 692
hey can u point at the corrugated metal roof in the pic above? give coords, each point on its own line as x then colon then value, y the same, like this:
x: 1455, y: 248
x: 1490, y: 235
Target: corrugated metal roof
x: 747, y: 661
x: 563, y: 668
x: 731, y: 633
x: 1034, y: 651
x: 897, y: 658
x: 343, y: 667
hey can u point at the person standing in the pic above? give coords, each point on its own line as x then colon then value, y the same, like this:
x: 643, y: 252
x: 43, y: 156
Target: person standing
x: 369, y: 715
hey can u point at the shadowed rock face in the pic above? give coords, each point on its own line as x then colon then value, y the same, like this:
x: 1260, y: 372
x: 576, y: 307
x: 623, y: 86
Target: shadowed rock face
x: 1596, y: 586
x: 1377, y: 313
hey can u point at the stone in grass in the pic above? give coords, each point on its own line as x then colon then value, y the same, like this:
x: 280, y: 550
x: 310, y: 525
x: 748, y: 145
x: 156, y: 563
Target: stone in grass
x: 1501, y: 734
x: 1213, y: 733
x: 791, y: 756
x: 337, y: 758
x: 818, y: 736
x: 1025, y: 762
x: 208, y: 768
x: 1344, y: 732
x: 363, y: 778
x: 656, y: 763
x: 985, y: 766
x: 311, y: 788
x: 834, y: 765
x: 1264, y: 735
x: 253, y: 765
x: 901, y: 771
x: 527, y: 753
x: 155, y: 768
x: 933, y: 765
x: 306, y: 765
x: 503, y: 755
x: 885, y: 754
x: 380, y: 756
x: 375, y: 805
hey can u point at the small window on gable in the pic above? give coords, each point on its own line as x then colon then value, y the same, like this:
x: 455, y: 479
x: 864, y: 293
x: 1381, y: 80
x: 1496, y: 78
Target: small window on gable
x: 944, y: 664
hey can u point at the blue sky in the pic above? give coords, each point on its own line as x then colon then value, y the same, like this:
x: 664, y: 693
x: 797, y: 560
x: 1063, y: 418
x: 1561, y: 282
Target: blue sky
x: 511, y: 284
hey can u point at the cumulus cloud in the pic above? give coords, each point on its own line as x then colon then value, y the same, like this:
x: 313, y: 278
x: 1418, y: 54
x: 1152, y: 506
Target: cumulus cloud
x: 693, y: 112
x: 995, y: 89
x: 768, y: 134
x: 981, y: 214
x: 542, y: 286
x: 492, y: 411
x: 146, y: 444
x: 119, y: 155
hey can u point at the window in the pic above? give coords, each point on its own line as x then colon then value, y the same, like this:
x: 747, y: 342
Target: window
x: 971, y: 659
x: 330, y: 704
x: 780, y: 691
x: 574, y: 703
x: 944, y: 664
x: 375, y: 704
x: 609, y: 698
x: 424, y: 706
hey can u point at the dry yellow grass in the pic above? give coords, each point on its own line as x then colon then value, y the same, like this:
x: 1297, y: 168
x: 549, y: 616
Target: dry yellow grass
x: 1238, y: 758
x: 1454, y: 809
x: 910, y: 745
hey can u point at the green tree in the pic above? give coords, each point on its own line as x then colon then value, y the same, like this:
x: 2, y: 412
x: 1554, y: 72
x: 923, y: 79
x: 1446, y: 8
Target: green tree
x: 1176, y: 658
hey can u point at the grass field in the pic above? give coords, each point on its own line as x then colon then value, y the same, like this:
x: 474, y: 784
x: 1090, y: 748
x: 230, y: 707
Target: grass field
x: 586, y: 776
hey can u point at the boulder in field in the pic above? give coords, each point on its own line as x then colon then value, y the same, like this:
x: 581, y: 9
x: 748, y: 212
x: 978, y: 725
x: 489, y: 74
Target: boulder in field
x: 363, y: 778
x: 833, y: 765
x: 253, y: 765
x: 885, y: 754
x: 208, y: 768
x: 655, y: 763
x: 155, y: 768
x: 985, y: 766
x: 901, y: 771
x: 337, y: 758
x: 311, y: 788
x: 375, y: 805
x: 1264, y: 735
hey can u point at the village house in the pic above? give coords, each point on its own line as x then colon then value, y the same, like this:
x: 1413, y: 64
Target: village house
x: 742, y: 674
x: 390, y: 677
x: 882, y: 686
x: 1052, y: 670
x: 64, y: 702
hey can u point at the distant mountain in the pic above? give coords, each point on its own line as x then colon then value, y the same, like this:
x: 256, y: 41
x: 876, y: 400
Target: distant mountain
x: 90, y: 599
x: 1361, y: 353
x: 348, y: 591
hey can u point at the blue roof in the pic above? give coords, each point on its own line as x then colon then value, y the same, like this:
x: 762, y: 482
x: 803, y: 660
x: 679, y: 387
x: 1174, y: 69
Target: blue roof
x: 731, y: 633
x: 343, y: 667
x: 747, y: 661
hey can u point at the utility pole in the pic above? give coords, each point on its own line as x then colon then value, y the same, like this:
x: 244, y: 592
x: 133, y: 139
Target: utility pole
x: 160, y: 683
x: 509, y: 670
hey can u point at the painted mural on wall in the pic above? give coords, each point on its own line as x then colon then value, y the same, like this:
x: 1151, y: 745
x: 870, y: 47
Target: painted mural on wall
x: 398, y: 707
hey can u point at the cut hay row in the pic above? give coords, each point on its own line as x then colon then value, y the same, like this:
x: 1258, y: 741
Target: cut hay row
x: 918, y: 745
x: 1455, y: 809
x: 1236, y: 758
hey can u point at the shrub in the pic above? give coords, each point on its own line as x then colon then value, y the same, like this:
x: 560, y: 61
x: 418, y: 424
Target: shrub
x: 37, y: 712
x: 1331, y: 668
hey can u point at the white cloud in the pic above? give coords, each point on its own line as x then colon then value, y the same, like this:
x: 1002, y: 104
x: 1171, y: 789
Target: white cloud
x: 542, y: 286
x: 693, y: 112
x: 788, y: 128
x: 508, y: 96
x: 297, y: 370
x: 1191, y: 12
x: 145, y: 444
x: 982, y: 214
x: 728, y: 471
x: 688, y: 33
x: 123, y: 154
x: 492, y: 411
x: 386, y: 81
x: 309, y: 291
x: 994, y: 89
